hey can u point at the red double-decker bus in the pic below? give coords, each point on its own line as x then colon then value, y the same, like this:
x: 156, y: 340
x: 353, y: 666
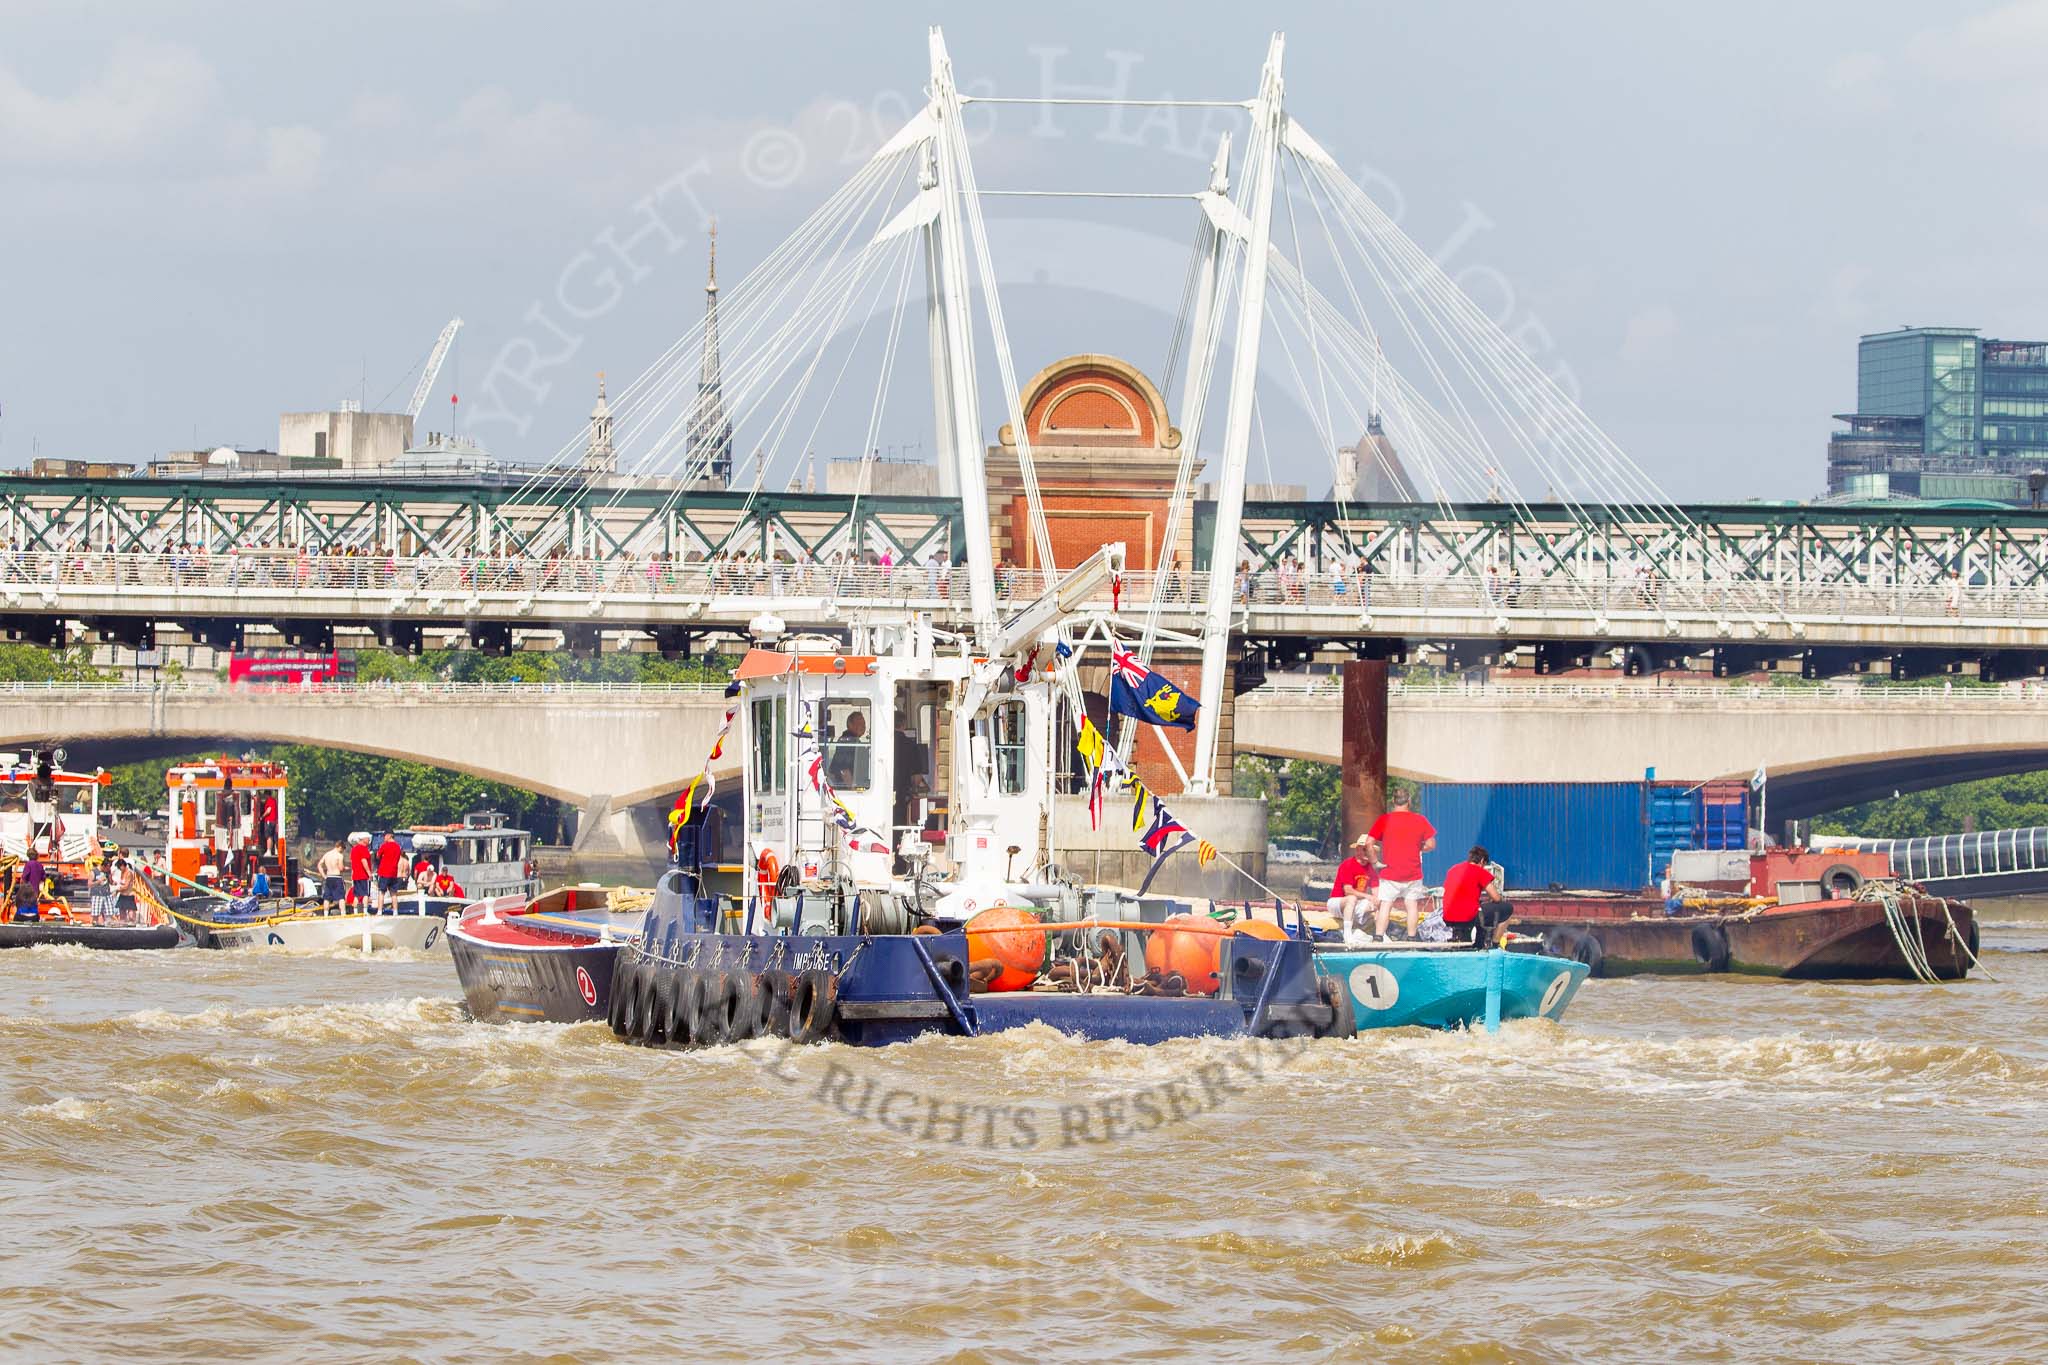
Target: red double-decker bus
x: 290, y: 668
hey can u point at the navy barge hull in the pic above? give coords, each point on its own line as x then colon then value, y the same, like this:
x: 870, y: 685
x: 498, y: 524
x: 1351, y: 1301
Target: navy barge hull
x: 694, y: 989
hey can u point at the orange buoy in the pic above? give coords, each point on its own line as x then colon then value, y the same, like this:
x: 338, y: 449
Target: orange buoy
x: 1021, y: 954
x: 1189, y: 952
x: 1262, y: 928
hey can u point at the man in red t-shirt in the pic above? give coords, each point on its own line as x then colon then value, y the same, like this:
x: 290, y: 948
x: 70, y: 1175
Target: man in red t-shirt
x: 360, y: 868
x: 1471, y: 919
x: 1352, y: 891
x: 390, y: 857
x: 1399, y: 839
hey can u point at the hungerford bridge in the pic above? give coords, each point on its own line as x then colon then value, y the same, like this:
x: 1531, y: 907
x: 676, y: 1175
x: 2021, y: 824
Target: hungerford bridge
x: 411, y: 564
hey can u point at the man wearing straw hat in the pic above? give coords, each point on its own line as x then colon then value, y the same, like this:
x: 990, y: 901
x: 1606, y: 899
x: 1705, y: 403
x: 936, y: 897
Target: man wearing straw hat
x: 1352, y: 892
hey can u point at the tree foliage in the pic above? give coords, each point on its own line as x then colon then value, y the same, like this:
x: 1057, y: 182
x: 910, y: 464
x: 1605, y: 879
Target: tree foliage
x: 334, y: 791
x: 527, y: 666
x: 1303, y: 799
x: 2016, y: 802
x: 33, y: 663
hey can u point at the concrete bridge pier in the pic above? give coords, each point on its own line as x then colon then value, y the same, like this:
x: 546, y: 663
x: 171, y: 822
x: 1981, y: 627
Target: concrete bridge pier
x: 606, y: 829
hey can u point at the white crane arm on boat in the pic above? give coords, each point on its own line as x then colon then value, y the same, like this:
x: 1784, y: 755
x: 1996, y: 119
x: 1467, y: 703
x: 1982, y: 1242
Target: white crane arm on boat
x: 1071, y: 595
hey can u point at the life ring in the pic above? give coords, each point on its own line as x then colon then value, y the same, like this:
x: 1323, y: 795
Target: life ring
x: 813, y: 1006
x: 1580, y: 945
x: 775, y: 986
x: 1710, y: 945
x: 767, y: 871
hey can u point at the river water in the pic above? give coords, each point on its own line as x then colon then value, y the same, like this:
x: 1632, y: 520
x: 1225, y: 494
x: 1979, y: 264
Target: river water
x: 248, y: 1155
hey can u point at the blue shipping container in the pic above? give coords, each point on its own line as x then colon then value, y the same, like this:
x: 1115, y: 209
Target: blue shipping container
x: 1582, y: 836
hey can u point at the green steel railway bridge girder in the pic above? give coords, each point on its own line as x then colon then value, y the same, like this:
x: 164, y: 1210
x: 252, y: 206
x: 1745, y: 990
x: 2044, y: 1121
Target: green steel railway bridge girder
x: 141, y: 516
x: 1758, y: 542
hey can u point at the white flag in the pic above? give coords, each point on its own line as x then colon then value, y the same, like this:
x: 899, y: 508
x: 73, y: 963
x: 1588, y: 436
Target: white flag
x: 1756, y: 783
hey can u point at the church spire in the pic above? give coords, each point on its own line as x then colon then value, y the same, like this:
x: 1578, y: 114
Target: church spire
x: 710, y: 443
x: 598, y: 455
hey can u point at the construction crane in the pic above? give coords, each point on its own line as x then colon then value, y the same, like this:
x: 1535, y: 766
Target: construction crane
x: 433, y: 370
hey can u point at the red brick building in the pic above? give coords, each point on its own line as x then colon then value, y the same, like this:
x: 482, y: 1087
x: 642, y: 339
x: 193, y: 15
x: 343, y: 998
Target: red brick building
x: 1107, y: 459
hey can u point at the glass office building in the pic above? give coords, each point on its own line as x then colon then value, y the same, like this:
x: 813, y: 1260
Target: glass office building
x: 1940, y: 410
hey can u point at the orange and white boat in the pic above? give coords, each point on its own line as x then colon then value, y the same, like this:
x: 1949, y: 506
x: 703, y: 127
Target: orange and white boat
x: 53, y: 814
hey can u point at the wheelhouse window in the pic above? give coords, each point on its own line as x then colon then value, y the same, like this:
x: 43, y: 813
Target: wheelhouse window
x: 1001, y: 730
x: 849, y: 744
x: 770, y: 746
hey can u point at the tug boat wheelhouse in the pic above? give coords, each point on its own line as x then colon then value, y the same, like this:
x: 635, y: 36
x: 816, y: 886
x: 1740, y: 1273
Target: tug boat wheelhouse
x: 486, y: 856
x: 896, y: 809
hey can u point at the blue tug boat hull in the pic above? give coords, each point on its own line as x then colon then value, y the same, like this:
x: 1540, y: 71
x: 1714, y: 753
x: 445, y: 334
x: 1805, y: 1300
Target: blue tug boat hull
x: 680, y: 987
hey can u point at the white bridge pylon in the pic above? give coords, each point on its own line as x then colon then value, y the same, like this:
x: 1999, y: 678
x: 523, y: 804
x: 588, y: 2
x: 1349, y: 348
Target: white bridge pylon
x: 1309, y: 283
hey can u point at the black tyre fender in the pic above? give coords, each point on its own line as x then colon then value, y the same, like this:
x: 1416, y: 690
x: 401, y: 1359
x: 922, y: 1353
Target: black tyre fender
x: 676, y: 1018
x: 1580, y: 945
x: 715, y: 1011
x: 1343, y: 1023
x: 647, y: 1023
x: 756, y: 1002
x: 1840, y: 882
x: 813, y: 1006
x: 1710, y: 945
x: 1973, y: 937
x: 690, y: 1008
x: 626, y: 994
x: 661, y: 1006
x: 777, y: 985
x: 623, y: 972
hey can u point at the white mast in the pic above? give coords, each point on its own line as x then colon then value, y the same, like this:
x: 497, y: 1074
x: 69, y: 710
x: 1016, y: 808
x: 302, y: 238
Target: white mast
x: 956, y: 402
x: 1261, y: 169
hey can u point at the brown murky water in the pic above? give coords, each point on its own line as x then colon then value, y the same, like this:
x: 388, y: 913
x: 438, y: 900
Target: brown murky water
x: 250, y: 1155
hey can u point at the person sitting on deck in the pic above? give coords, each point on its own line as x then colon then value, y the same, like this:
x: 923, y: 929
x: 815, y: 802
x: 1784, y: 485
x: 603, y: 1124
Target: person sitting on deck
x: 28, y: 888
x: 1471, y: 919
x: 1352, y: 892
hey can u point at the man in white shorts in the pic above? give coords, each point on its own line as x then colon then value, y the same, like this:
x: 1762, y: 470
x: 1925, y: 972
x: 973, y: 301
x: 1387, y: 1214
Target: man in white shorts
x: 1399, y: 839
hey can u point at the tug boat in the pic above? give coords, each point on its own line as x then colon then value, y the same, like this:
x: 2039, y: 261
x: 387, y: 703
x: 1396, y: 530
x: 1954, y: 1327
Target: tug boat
x: 548, y: 957
x: 488, y: 857
x: 228, y: 818
x: 845, y: 935
x: 55, y: 813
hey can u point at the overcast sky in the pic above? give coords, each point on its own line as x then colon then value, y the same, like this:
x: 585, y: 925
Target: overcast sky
x: 211, y: 213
